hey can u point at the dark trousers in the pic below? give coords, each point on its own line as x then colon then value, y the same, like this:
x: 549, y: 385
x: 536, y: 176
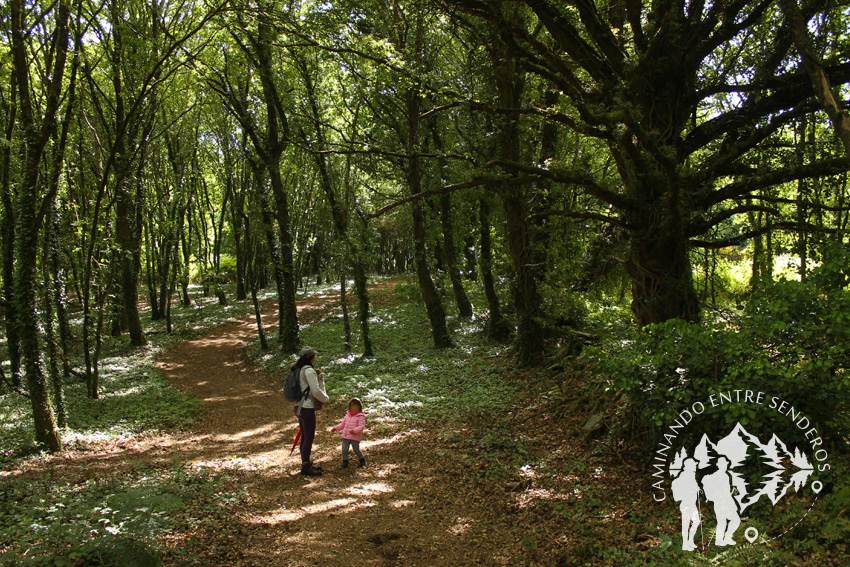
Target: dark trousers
x: 307, y: 421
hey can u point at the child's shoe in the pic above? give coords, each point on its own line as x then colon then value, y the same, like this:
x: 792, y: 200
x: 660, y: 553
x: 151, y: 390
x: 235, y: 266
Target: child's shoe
x: 362, y: 462
x: 345, y: 463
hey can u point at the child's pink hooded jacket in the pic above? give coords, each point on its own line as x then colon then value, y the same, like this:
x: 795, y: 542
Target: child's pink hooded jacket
x: 352, y: 426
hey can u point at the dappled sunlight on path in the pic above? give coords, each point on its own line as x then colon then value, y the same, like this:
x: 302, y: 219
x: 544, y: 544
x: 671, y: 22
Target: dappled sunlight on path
x: 398, y: 510
x: 392, y: 512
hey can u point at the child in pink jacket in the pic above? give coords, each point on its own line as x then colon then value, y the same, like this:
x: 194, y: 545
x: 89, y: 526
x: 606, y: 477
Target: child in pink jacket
x: 352, y: 431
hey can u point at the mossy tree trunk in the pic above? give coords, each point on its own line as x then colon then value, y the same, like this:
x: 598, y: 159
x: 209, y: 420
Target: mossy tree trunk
x: 413, y: 110
x: 38, y: 127
x: 523, y: 236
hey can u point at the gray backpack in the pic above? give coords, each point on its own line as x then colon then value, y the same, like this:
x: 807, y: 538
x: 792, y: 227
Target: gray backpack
x: 292, y: 386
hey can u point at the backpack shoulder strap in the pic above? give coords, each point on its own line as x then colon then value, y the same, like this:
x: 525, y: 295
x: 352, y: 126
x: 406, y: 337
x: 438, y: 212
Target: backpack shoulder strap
x: 306, y: 390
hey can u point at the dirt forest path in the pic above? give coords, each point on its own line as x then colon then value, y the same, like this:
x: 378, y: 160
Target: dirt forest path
x: 398, y: 510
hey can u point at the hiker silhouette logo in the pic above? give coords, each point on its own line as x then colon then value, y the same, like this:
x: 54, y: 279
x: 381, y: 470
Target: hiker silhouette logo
x: 736, y: 476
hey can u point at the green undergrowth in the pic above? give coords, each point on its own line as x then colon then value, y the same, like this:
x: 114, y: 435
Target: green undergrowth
x: 107, y: 519
x: 118, y: 518
x: 133, y: 396
x: 407, y: 380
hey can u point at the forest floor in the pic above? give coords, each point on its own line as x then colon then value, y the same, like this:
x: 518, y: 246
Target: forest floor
x: 432, y: 494
x: 413, y: 504
x: 403, y: 508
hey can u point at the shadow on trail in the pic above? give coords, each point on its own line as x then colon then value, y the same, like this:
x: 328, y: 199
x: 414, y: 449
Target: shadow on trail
x: 401, y: 509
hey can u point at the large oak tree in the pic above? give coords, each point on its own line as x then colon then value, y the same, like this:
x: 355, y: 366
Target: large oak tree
x: 681, y: 93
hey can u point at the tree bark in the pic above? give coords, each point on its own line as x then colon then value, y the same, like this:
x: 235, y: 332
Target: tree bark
x: 31, y: 208
x: 53, y: 301
x: 343, y: 301
x: 524, y: 242
x: 253, y: 284
x: 152, y: 261
x: 269, y: 147
x: 497, y: 327
x: 13, y: 344
x: 464, y: 307
x: 128, y: 231
x: 413, y: 110
x: 838, y: 116
x: 658, y: 263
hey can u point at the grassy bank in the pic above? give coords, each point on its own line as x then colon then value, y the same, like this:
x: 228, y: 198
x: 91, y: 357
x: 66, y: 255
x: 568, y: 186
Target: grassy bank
x: 73, y: 516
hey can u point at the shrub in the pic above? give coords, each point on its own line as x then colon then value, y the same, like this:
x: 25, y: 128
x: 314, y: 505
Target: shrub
x: 788, y: 339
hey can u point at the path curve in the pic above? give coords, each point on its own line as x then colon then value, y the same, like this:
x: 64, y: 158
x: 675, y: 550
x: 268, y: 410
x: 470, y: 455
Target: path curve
x: 399, y: 510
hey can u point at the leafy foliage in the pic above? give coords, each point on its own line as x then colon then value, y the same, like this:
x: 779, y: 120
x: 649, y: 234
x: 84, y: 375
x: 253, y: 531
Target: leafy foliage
x: 409, y: 379
x: 788, y: 340
x: 134, y: 398
x: 108, y: 519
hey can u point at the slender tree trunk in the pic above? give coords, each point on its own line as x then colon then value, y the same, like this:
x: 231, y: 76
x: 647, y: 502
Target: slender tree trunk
x: 524, y: 242
x: 252, y: 284
x: 172, y: 286
x: 128, y: 235
x: 50, y: 293
x: 151, y: 262
x: 93, y: 377
x: 288, y: 315
x: 165, y: 271
x: 118, y: 315
x: 497, y: 327
x: 275, y: 141
x: 187, y: 255
x: 346, y: 324
x: 353, y: 249
x: 464, y: 307
x: 237, y: 213
x: 127, y: 210
x: 433, y: 302
x: 218, y: 235
x: 757, y: 271
x: 53, y: 269
x: 58, y: 262
x: 13, y: 344
x: 413, y: 110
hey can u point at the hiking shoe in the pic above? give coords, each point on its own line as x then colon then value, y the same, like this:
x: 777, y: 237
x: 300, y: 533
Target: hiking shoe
x: 362, y: 462
x: 344, y: 464
x: 309, y: 470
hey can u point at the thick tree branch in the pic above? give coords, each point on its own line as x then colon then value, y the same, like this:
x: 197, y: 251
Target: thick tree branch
x: 740, y: 239
x: 702, y: 226
x: 582, y: 215
x: 724, y: 161
x: 476, y: 182
x: 733, y: 24
x: 575, y: 177
x: 743, y: 188
x: 570, y: 40
x: 795, y: 89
